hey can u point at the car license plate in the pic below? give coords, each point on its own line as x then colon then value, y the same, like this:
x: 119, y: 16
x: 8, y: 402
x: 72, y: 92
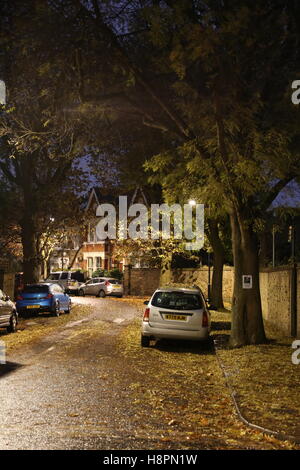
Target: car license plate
x: 33, y: 306
x: 117, y: 286
x: 175, y: 317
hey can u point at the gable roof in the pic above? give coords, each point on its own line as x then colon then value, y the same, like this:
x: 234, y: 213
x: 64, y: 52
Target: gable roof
x: 139, y: 195
x: 100, y: 197
x: 94, y: 194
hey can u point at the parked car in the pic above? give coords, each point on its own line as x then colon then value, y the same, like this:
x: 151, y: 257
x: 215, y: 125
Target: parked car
x: 71, y: 281
x: 102, y: 286
x: 176, y: 313
x: 43, y: 297
x: 8, y: 313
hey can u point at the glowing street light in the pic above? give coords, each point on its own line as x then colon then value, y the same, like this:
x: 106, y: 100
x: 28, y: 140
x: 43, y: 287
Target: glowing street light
x: 192, y: 202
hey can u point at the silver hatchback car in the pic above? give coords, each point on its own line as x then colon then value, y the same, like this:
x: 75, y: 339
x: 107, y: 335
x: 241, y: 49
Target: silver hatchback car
x: 68, y: 280
x: 176, y: 313
x: 101, y: 287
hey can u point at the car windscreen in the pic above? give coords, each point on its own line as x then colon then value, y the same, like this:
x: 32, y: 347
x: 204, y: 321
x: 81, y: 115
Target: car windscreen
x: 177, y: 300
x: 35, y: 289
x: 77, y: 276
x: 54, y: 277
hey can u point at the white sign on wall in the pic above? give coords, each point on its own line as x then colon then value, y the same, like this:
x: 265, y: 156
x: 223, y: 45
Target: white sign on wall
x: 2, y: 92
x: 247, y: 281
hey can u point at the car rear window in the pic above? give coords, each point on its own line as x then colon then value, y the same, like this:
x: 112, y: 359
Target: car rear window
x: 177, y: 300
x: 114, y: 281
x: 35, y: 289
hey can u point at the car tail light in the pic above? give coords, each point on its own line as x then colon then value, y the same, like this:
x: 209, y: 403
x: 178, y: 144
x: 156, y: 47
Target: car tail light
x: 49, y: 296
x: 204, y: 319
x: 19, y: 297
x: 146, y: 314
x: 107, y: 283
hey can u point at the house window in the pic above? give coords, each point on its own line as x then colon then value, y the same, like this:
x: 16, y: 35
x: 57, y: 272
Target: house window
x: 91, y: 234
x: 98, y: 262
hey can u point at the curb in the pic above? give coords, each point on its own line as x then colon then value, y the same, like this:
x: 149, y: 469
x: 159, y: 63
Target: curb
x: 280, y: 436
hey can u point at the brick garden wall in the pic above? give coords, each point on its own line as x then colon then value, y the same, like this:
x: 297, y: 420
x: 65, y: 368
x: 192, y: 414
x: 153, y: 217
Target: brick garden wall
x: 275, y: 297
x: 146, y: 280
x: 141, y: 281
x: 199, y: 277
x: 7, y: 279
x: 275, y: 285
x: 298, y: 301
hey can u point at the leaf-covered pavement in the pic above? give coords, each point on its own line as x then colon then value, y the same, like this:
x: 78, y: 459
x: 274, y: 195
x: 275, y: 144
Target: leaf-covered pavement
x: 183, y: 390
x: 168, y: 396
x: 266, y: 382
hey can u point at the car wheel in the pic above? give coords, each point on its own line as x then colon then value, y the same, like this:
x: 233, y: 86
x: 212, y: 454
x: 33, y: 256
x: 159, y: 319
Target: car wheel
x: 208, y: 343
x: 101, y: 294
x: 12, y: 328
x: 69, y: 309
x: 145, y: 341
x: 57, y: 310
x: 81, y: 292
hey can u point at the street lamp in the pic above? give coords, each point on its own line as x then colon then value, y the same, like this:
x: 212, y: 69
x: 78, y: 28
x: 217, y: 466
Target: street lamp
x: 193, y: 203
x: 273, y: 246
x: 208, y: 281
x: 2, y: 92
x: 292, y: 237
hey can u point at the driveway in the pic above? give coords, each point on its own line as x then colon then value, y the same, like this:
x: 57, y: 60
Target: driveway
x: 89, y: 385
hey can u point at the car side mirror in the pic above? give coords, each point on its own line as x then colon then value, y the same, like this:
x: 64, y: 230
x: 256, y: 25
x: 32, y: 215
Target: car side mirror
x: 212, y: 307
x: 146, y: 302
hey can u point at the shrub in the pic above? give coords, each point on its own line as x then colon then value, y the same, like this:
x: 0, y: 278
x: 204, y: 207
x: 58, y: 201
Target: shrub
x: 115, y: 273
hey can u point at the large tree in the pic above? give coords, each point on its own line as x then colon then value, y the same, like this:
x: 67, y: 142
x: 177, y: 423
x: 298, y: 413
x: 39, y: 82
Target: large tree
x: 39, y: 141
x: 215, y: 75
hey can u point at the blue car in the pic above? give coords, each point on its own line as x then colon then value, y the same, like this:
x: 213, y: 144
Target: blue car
x: 36, y: 298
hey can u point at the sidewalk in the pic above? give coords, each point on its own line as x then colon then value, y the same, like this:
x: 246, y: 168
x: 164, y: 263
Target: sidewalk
x: 266, y: 383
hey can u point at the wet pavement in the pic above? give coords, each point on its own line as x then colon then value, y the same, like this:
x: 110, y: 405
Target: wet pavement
x: 89, y: 385
x: 59, y: 393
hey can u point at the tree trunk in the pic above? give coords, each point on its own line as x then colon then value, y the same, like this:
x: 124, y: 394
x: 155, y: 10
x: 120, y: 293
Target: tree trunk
x: 31, y: 262
x: 247, y: 322
x: 216, y: 299
x: 75, y: 256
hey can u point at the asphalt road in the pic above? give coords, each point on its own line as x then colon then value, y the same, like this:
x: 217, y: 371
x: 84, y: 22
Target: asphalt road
x: 60, y: 392
x: 89, y: 385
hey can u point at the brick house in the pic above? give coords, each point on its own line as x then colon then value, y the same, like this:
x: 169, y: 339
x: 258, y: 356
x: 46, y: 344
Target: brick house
x: 94, y: 253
